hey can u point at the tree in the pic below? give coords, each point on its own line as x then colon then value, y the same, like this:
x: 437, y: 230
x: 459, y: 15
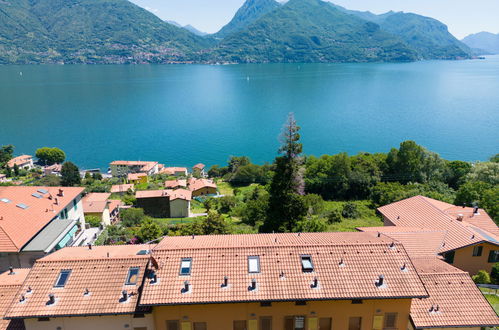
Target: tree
x: 334, y: 216
x: 286, y: 205
x: 311, y: 225
x: 6, y: 153
x: 50, y: 180
x: 50, y: 156
x: 214, y: 223
x: 471, y: 193
x: 217, y: 172
x: 494, y: 274
x: 149, y: 230
x: 8, y: 171
x: 132, y: 217
x: 255, y: 210
x: 93, y: 221
x: 482, y: 277
x: 226, y: 204
x: 487, y: 172
x: 456, y: 172
x: 16, y: 170
x: 495, y: 158
x: 70, y: 175
x: 236, y: 162
x: 350, y: 211
x: 313, y: 203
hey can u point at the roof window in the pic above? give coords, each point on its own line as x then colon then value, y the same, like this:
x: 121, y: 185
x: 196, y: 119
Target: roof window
x: 185, y: 266
x: 254, y: 264
x: 43, y: 191
x: 22, y: 206
x: 143, y: 252
x: 133, y: 276
x: 62, y: 279
x: 37, y: 195
x: 5, y: 200
x: 306, y: 264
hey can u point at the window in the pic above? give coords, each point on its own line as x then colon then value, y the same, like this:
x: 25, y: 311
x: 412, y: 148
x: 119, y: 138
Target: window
x: 294, y: 323
x: 43, y: 319
x: 306, y: 264
x: 172, y: 325
x: 477, y: 251
x: 265, y: 304
x: 266, y: 323
x: 185, y: 266
x: 64, y: 214
x: 449, y: 257
x: 62, y: 278
x: 354, y: 323
x: 325, y: 323
x: 75, y: 204
x: 390, y: 321
x: 200, y: 326
x: 300, y: 303
x: 133, y: 276
x: 494, y: 256
x: 357, y: 301
x: 254, y: 264
x: 239, y: 325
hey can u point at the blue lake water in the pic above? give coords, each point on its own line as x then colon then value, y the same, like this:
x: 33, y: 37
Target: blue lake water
x: 184, y: 114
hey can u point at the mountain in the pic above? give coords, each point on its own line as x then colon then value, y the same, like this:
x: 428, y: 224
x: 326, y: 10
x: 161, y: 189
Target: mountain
x: 251, y: 11
x: 483, y: 43
x: 174, y: 23
x: 89, y: 31
x: 429, y: 37
x: 312, y: 31
x: 192, y: 29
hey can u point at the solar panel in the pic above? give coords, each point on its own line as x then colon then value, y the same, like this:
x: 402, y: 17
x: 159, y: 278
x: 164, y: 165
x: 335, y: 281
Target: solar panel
x: 22, y: 206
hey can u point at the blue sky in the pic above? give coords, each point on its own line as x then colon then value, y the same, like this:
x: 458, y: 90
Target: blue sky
x: 462, y: 16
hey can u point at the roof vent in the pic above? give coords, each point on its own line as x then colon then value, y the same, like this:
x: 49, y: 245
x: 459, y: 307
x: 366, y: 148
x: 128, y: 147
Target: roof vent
x: 89, y: 246
x: 11, y: 271
x: 379, y: 234
x: 186, y: 288
x: 51, y: 299
x: 23, y: 299
x: 29, y: 291
x: 475, y: 210
x: 282, y: 275
x: 342, y: 263
x: 225, y: 282
x: 86, y: 292
x: 315, y: 283
x: 460, y: 217
x: 380, y: 282
x: 124, y: 296
x: 392, y: 245
x: 404, y: 268
x: 434, y: 309
x: 252, y: 287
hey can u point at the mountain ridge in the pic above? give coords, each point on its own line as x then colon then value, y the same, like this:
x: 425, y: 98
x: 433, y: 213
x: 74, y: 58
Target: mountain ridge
x: 483, y: 43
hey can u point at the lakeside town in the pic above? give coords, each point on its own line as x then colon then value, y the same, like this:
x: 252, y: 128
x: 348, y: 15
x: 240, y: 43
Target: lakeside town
x: 151, y: 246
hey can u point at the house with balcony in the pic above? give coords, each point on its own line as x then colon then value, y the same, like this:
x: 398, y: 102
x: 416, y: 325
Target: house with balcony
x: 24, y: 162
x: 122, y: 168
x: 36, y: 221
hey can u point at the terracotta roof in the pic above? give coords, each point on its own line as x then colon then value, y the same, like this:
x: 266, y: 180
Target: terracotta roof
x: 122, y: 188
x: 9, y: 286
x: 53, y: 168
x: 423, y: 212
x: 19, y: 225
x: 175, y: 183
x: 95, y: 202
x: 2, y: 176
x: 459, y: 302
x: 136, y: 176
x: 196, y: 184
x: 199, y: 166
x: 281, y: 278
x: 180, y: 194
x: 103, y: 276
x: 172, y: 170
x: 150, y: 193
x: 114, y: 204
x: 418, y: 242
x: 19, y: 160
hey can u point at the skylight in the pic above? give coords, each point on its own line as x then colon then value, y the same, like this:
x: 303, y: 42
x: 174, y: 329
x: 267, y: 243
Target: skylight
x: 306, y: 264
x: 185, y: 266
x: 142, y: 252
x: 254, y: 264
x: 37, y: 195
x: 5, y: 200
x: 133, y: 276
x: 62, y: 279
x: 22, y: 206
x: 43, y: 191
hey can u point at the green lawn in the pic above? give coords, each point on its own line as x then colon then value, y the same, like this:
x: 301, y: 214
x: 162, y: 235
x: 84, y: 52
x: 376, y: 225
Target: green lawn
x: 367, y: 218
x: 491, y: 297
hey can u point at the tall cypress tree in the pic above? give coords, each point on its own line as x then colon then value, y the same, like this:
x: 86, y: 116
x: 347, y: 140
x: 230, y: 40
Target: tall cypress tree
x: 286, y: 206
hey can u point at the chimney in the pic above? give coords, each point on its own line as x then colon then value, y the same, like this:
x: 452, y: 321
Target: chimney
x: 253, y: 285
x: 11, y: 271
x: 51, y: 299
x: 315, y: 283
x: 61, y: 193
x: 379, y: 234
x: 460, y: 217
x: 89, y: 246
x: 380, y: 282
x: 56, y: 202
x: 226, y: 282
x: 186, y: 287
x: 124, y: 295
x: 475, y: 210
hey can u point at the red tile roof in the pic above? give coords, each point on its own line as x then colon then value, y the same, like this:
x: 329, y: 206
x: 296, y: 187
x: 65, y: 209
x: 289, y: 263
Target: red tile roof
x: 95, y: 202
x: 18, y: 226
x: 173, y: 170
x: 19, y: 160
x: 199, y: 166
x: 104, y: 276
x: 423, y: 212
x: 346, y: 266
x: 136, y: 176
x: 196, y: 184
x: 9, y: 286
x: 458, y: 301
x: 175, y: 183
x: 180, y: 194
x: 151, y: 193
x: 122, y: 188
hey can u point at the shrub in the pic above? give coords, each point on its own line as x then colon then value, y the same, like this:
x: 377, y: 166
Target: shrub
x: 93, y: 221
x: 482, y: 277
x: 334, y: 216
x: 350, y: 211
x: 314, y: 203
x: 132, y: 217
x: 494, y: 274
x: 311, y: 225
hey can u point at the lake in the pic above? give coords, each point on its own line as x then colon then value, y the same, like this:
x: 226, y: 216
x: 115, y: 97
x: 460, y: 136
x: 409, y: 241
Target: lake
x: 185, y: 114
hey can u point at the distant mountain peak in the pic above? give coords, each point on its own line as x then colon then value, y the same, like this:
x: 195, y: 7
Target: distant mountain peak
x: 483, y: 43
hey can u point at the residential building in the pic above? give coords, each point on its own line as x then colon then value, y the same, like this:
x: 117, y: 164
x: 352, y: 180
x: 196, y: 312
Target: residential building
x: 35, y: 221
x: 3, y: 178
x: 199, y: 168
x: 122, y: 188
x: 99, y: 205
x: 121, y: 168
x: 175, y: 184
x: 293, y: 281
x: 10, y: 283
x: 165, y: 203
x: 174, y: 171
x: 24, y: 162
x: 52, y: 170
x: 137, y: 178
x: 202, y: 187
x: 469, y: 238
x: 81, y: 288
